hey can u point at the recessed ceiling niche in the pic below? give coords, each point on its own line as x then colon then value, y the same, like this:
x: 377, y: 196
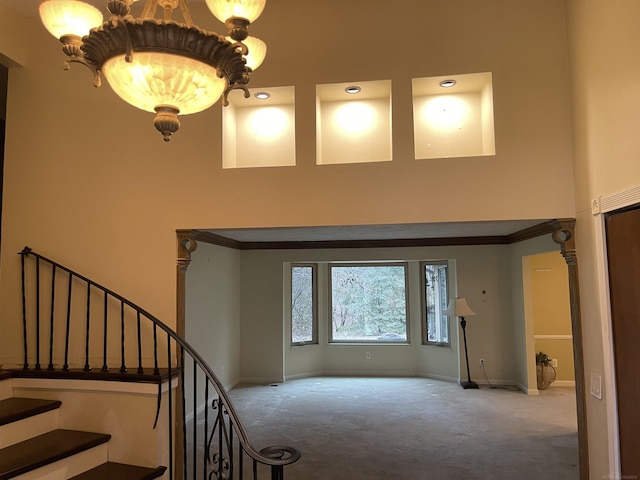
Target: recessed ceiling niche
x: 258, y: 131
x: 453, y: 116
x: 353, y: 122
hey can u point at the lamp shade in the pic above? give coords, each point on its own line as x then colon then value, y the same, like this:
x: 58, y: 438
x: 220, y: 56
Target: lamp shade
x: 153, y: 79
x: 223, y: 10
x: 69, y: 17
x: 458, y: 307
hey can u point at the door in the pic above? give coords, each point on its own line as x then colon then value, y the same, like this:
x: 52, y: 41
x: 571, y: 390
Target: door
x: 623, y: 252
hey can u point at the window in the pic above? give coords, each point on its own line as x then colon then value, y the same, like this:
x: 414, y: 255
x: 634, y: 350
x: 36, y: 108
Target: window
x: 303, y: 305
x: 368, y: 303
x: 435, y: 281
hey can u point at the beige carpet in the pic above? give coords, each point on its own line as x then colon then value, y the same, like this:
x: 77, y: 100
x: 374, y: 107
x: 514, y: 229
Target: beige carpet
x: 413, y: 428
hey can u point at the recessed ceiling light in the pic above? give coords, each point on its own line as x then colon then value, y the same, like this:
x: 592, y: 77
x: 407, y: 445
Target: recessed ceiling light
x: 352, y: 89
x: 447, y: 83
x: 262, y: 95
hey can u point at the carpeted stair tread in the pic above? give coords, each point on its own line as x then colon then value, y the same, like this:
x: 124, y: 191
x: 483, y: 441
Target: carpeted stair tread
x: 45, y: 449
x: 120, y: 471
x: 14, y: 409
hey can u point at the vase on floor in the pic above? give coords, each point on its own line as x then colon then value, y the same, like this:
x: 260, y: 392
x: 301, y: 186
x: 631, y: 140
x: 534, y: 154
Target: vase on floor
x: 545, y: 372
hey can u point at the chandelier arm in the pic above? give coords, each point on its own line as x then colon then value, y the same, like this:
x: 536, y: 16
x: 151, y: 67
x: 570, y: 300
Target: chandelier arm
x: 185, y: 12
x: 97, y: 82
x: 149, y: 9
x: 235, y: 86
x: 241, y: 47
x: 128, y: 46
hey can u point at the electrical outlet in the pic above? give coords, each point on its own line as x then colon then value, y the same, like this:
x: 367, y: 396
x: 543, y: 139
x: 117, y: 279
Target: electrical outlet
x: 554, y: 363
x: 482, y: 363
x: 367, y: 355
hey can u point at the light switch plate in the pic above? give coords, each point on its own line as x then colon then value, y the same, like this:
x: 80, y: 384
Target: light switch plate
x: 596, y: 385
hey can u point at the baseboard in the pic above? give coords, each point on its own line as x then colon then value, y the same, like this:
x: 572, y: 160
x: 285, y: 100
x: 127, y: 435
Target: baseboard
x: 444, y: 378
x: 303, y: 375
x: 563, y: 383
x: 260, y: 380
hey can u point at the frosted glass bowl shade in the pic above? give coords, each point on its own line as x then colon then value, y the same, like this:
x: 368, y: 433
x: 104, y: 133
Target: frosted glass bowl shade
x: 69, y: 17
x: 154, y: 79
x: 226, y: 9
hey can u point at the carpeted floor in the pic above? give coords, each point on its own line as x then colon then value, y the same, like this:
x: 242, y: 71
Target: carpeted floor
x: 413, y: 428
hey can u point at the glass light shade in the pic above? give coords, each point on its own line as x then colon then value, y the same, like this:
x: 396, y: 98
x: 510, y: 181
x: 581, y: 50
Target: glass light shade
x: 69, y: 17
x: 154, y: 79
x: 225, y: 9
x: 257, y: 51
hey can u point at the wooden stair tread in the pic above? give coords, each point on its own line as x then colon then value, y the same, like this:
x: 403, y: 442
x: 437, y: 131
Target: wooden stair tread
x: 45, y: 449
x: 121, y: 471
x: 14, y: 409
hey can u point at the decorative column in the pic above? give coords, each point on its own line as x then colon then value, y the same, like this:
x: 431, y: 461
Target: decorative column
x: 564, y: 235
x: 186, y: 245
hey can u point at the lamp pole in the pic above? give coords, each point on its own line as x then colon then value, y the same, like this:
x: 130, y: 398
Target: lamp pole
x: 468, y: 383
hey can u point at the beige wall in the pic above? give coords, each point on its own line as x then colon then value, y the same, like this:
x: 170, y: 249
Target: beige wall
x: 603, y: 39
x: 551, y: 313
x: 212, y: 325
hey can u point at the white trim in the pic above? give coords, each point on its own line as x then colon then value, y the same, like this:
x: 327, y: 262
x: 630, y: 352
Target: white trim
x: 434, y: 376
x: 609, y: 389
x: 563, y: 383
x: 616, y: 201
x: 600, y: 206
x: 553, y: 337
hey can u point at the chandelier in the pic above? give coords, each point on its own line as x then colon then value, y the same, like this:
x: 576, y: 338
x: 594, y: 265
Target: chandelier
x: 160, y: 65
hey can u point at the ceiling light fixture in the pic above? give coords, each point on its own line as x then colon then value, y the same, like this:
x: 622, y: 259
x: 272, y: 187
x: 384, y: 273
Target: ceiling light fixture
x: 160, y: 65
x: 447, y: 83
x: 353, y: 89
x: 262, y: 95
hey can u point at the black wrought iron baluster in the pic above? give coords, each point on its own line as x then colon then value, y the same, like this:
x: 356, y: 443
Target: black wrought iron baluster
x: 240, y: 462
x: 169, y: 394
x: 53, y: 296
x: 255, y: 469
x: 195, y: 417
x: 220, y: 423
x: 156, y: 370
x: 140, y: 369
x: 37, y: 313
x: 65, y: 367
x: 24, y: 310
x: 105, y: 367
x: 184, y: 412
x: 123, y: 367
x: 87, y: 367
x: 230, y: 440
x: 205, y: 437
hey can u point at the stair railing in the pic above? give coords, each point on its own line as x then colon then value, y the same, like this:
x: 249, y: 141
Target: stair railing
x: 71, y: 323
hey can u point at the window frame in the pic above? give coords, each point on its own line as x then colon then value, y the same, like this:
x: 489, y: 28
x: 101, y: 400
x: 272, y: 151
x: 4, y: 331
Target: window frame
x: 407, y: 304
x: 423, y: 301
x: 314, y: 299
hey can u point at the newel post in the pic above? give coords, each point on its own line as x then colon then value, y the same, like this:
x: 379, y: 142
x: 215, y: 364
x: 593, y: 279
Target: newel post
x: 564, y: 235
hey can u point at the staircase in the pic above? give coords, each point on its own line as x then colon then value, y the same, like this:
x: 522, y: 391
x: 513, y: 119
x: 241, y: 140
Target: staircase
x: 32, y: 446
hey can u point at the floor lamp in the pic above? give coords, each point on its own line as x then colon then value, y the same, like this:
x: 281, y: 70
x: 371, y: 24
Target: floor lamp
x: 459, y: 308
